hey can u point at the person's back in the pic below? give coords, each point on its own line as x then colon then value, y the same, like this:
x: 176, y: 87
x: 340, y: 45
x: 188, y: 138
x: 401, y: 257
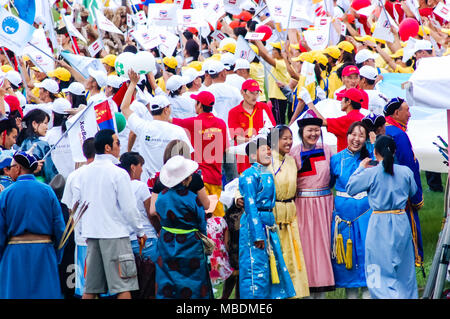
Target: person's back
x: 226, y: 96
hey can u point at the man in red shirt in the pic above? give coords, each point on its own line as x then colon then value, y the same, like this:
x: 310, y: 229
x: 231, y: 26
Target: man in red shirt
x: 209, y: 138
x: 246, y: 119
x: 351, y: 104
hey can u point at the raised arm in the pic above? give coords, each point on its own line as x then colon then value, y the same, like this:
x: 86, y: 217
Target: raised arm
x: 125, y: 106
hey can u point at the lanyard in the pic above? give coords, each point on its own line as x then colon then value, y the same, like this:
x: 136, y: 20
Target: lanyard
x: 275, y: 173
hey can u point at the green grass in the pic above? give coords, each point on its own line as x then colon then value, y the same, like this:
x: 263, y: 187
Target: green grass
x: 431, y: 217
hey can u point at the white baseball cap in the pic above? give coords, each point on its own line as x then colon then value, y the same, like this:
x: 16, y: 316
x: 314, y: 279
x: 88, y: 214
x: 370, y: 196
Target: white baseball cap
x: 228, y: 60
x: 214, y: 67
x: 363, y: 55
x: 368, y: 72
x: 190, y: 74
x: 175, y: 82
x: 60, y: 105
x: 14, y: 77
x: 115, y: 81
x: 241, y: 64
x: 423, y: 45
x: 75, y: 88
x: 159, y: 102
x: 48, y: 84
x: 99, y: 76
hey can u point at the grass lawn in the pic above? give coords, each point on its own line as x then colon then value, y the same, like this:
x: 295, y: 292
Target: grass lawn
x: 431, y: 217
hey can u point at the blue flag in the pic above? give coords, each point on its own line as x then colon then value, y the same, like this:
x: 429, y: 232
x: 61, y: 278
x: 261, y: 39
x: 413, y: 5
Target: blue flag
x: 26, y: 10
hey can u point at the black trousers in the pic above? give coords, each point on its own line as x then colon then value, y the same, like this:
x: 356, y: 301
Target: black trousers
x: 434, y: 181
x: 279, y: 108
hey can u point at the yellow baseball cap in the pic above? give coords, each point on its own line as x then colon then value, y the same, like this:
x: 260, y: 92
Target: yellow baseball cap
x: 427, y: 30
x: 109, y: 59
x: 332, y: 51
x: 277, y: 45
x: 320, y: 57
x: 228, y: 47
x: 60, y: 73
x: 305, y: 56
x: 397, y: 54
x: 25, y: 58
x: 170, y: 61
x: 5, y: 68
x: 254, y: 48
x: 447, y: 31
x: 346, y: 46
x: 195, y: 65
x: 216, y: 56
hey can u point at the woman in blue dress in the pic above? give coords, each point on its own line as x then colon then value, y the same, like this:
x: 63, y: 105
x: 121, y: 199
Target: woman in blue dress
x: 390, y: 268
x: 36, y: 126
x: 181, y: 266
x: 262, y: 270
x: 350, y: 217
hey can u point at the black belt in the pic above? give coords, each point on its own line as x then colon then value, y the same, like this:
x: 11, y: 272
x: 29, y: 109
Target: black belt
x: 265, y: 209
x: 285, y: 200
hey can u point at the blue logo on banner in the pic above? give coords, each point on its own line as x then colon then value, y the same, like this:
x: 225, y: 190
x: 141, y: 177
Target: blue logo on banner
x: 10, y: 25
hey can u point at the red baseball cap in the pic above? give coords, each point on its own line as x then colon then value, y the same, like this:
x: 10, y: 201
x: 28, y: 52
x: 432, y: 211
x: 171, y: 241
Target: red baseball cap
x: 204, y: 97
x: 251, y: 85
x: 349, y: 70
x: 14, y: 104
x: 243, y: 16
x: 351, y: 94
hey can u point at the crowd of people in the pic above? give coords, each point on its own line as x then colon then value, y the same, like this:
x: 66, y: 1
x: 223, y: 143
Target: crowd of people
x: 198, y: 185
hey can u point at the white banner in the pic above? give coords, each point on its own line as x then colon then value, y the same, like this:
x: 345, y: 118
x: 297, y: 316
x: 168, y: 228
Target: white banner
x: 104, y: 24
x: 95, y: 47
x: 254, y: 36
x: 168, y: 43
x: 218, y: 35
x: 383, y: 28
x: 43, y: 61
x: 162, y: 14
x: 14, y: 32
x: 443, y: 11
x: 243, y: 50
x: 194, y: 18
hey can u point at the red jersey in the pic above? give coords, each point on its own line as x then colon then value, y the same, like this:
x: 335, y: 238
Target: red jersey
x: 241, y: 123
x: 339, y: 127
x: 208, y: 135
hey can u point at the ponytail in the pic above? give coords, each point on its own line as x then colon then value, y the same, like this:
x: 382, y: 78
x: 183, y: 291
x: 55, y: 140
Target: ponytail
x: 385, y: 146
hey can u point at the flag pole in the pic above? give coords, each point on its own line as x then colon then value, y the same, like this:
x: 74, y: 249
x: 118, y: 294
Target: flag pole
x: 67, y: 131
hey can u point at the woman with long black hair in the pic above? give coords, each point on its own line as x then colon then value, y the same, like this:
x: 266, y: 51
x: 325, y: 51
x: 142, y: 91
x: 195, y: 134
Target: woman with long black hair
x: 389, y: 263
x: 35, y: 126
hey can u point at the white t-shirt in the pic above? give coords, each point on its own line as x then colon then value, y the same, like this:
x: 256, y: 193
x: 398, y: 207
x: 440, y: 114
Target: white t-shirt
x: 182, y: 107
x: 153, y: 138
x: 226, y: 97
x: 235, y: 81
x: 72, y: 190
x: 141, y: 110
x: 142, y: 193
x: 61, y: 154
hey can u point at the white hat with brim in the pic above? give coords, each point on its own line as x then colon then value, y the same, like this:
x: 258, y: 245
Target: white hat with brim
x: 99, y: 76
x: 214, y: 67
x: 364, y: 55
x: 228, y: 60
x: 175, y: 82
x: 14, y: 77
x: 75, y: 88
x: 159, y: 102
x: 190, y: 74
x: 423, y: 45
x: 241, y: 64
x: 115, y: 81
x: 176, y: 170
x: 368, y: 72
x: 49, y: 85
x: 61, y: 105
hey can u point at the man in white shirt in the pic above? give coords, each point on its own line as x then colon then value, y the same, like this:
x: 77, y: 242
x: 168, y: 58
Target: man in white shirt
x: 182, y: 107
x: 367, y: 78
x: 226, y: 95
x: 153, y: 135
x: 112, y: 212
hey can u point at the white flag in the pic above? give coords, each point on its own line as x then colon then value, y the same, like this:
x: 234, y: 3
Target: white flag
x: 85, y: 127
x: 243, y: 50
x: 169, y: 42
x: 162, y: 14
x: 443, y: 11
x: 232, y: 6
x: 318, y: 38
x: 147, y: 38
x: 141, y: 18
x: 383, y: 28
x: 414, y: 7
x: 104, y: 24
x: 308, y: 72
x: 42, y: 61
x: 71, y: 28
x: 14, y: 32
x: 83, y: 63
x: 192, y: 18
x: 214, y: 9
x: 95, y: 47
x: 279, y: 11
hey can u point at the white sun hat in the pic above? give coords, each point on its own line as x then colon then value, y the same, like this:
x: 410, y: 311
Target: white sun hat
x: 176, y: 170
